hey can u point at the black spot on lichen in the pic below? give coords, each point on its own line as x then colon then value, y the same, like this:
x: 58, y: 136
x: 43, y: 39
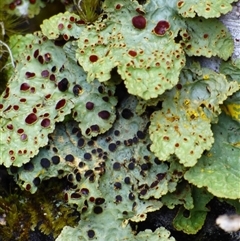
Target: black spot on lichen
x: 70, y: 177
x: 77, y: 90
x: 99, y: 201
x: 91, y: 233
x: 81, y: 164
x: 116, y: 166
x: 89, y: 105
x: 90, y: 143
x: 99, y: 150
x: 160, y: 176
x: 97, y: 210
x: 144, y: 167
x: 131, y: 166
x: 54, y: 68
x: 88, y: 173
x: 135, y: 140
x: 117, y: 185
x: 81, y: 142
x: 112, y: 147
x: 131, y: 196
x: 118, y: 143
x: 116, y: 132
x: 104, y: 114
x: 55, y: 149
x: 92, y: 178
x: 60, y: 172
x: 55, y: 160
x: 36, y: 181
x: 157, y: 161
x: 127, y: 180
x: 108, y: 139
x: 143, y: 192
x: 88, y: 131
x: 63, y: 85
x: 94, y: 128
x: 28, y: 166
x: 85, y: 191
x: 127, y: 114
x: 69, y: 158
x: 87, y: 156
x: 141, y: 135
x: 45, y: 163
x: 118, y: 198
x: 154, y: 184
x: 78, y: 177
x: 100, y: 89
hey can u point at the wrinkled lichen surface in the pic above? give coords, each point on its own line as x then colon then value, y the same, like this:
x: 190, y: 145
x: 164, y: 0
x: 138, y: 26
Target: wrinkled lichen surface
x: 171, y: 137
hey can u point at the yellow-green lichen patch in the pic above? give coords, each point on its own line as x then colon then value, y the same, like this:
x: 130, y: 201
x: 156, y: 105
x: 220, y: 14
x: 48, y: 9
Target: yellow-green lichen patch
x: 204, y: 8
x: 183, y: 126
x: 114, y: 178
x: 63, y: 25
x: 150, y: 59
x: 232, y: 105
x: 211, y: 38
x: 145, y: 43
x: 45, y: 87
x: 218, y: 168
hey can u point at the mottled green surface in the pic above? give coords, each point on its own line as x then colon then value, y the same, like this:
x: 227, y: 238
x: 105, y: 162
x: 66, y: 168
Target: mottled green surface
x: 46, y: 86
x: 98, y: 169
x: 183, y: 126
x: 204, y: 8
x: 148, y: 61
x: 219, y: 168
x: 211, y: 38
x: 111, y: 151
x: 113, y: 232
x: 232, y: 105
x: 191, y: 222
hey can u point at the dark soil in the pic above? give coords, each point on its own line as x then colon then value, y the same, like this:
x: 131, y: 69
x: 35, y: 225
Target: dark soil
x: 209, y: 232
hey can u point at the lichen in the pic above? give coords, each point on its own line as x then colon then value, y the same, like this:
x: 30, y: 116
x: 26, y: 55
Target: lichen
x: 45, y: 87
x: 205, y: 8
x: 191, y: 221
x: 232, y: 105
x: 63, y: 25
x: 114, y: 177
x: 160, y: 234
x: 150, y: 39
x: 124, y: 152
x: 224, y: 155
x: 208, y: 40
x: 183, y: 126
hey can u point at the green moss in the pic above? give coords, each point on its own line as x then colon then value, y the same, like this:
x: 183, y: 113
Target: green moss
x: 9, y: 25
x: 88, y: 10
x: 21, y: 212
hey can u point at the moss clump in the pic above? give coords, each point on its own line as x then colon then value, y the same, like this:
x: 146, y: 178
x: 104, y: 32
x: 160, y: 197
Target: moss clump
x: 88, y: 10
x: 9, y: 25
x: 21, y: 212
